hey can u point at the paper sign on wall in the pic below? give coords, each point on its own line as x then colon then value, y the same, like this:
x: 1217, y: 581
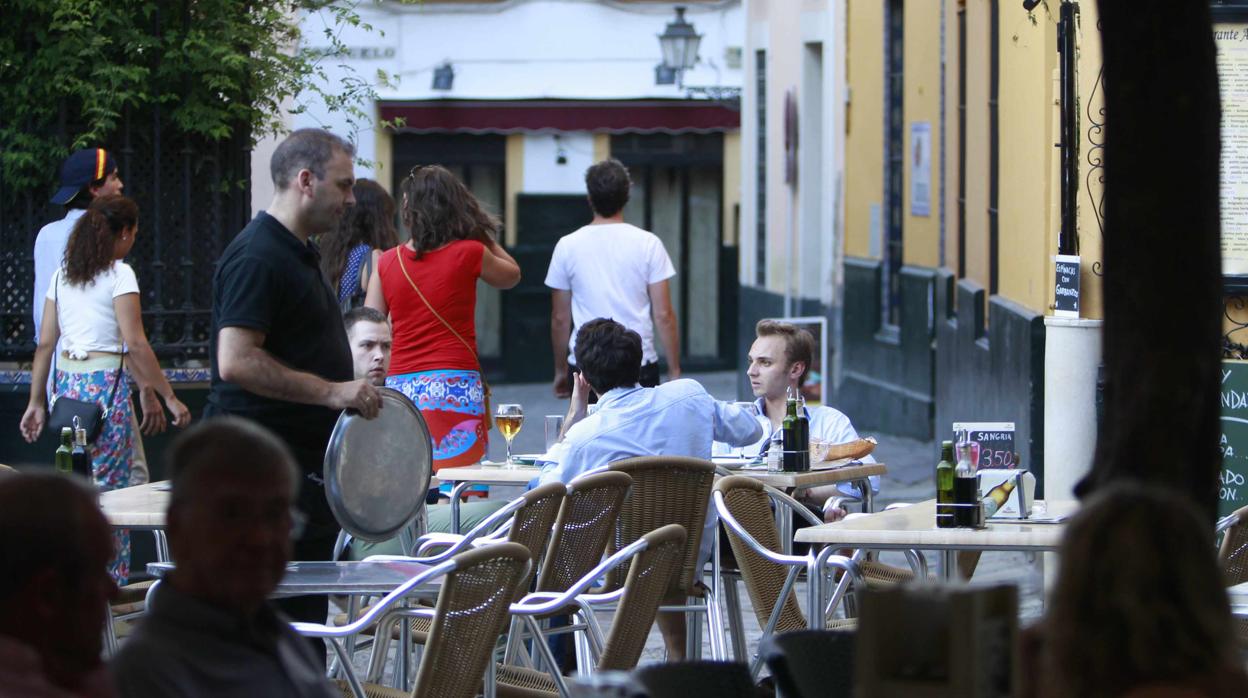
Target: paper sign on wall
x: 921, y: 168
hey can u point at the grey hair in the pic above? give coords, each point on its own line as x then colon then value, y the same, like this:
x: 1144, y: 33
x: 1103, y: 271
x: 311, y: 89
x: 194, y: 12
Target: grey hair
x: 227, y: 445
x: 305, y: 149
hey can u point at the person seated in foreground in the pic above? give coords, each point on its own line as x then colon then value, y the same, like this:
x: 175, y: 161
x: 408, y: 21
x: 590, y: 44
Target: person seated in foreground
x: 368, y: 332
x: 779, y: 362
x: 210, y: 629
x: 55, y: 587
x: 678, y: 418
x: 1139, y: 608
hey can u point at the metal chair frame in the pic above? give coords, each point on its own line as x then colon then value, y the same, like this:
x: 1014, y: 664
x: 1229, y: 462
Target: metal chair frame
x: 709, y: 602
x: 815, y: 565
x: 492, y: 529
x: 380, y: 612
x: 541, y: 604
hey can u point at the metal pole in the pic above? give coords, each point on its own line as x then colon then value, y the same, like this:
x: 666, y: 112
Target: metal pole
x: 1068, y: 238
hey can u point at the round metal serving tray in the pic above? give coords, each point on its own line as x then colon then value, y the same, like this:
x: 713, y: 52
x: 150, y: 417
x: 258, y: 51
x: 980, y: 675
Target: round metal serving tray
x: 377, y: 471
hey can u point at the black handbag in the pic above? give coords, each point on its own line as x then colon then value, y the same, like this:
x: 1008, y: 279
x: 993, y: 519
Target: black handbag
x: 90, y: 415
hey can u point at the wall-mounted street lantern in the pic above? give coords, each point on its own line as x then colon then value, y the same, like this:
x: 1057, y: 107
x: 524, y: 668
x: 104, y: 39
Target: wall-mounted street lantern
x: 443, y: 77
x: 679, y: 44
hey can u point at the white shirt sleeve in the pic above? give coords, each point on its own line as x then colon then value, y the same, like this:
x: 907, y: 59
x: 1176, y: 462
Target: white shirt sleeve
x: 734, y: 425
x: 660, y: 263
x: 125, y: 280
x: 557, y: 275
x: 52, y: 294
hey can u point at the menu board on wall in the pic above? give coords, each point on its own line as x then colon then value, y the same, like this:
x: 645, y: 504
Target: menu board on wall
x: 1233, y: 478
x: 1231, y: 39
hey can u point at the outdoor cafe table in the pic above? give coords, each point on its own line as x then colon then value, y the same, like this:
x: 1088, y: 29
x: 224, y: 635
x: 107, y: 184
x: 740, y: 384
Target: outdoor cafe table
x: 914, y: 528
x: 140, y: 508
x: 482, y: 474
x: 365, y: 578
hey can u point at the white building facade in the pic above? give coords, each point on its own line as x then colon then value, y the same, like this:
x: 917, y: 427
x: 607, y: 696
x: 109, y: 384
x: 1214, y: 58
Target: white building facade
x: 518, y: 98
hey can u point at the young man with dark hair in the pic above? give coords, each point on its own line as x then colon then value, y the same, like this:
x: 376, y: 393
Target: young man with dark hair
x: 611, y: 269
x: 210, y: 629
x: 678, y: 418
x: 279, y: 351
x: 55, y: 587
x: 368, y: 331
x: 779, y: 361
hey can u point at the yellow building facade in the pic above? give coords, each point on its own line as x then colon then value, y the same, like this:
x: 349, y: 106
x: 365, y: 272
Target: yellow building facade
x: 945, y: 188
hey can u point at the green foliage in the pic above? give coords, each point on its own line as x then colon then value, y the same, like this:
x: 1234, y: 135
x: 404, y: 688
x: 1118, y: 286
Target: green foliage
x: 213, y: 67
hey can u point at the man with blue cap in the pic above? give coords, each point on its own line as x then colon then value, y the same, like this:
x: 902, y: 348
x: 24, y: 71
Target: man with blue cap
x: 85, y: 174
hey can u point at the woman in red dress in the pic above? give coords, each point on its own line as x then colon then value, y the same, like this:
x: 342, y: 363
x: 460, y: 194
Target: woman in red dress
x: 428, y: 285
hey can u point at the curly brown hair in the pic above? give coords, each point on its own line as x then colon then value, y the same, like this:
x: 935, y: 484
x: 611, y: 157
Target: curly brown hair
x: 369, y: 222
x: 438, y: 208
x: 92, y: 243
x: 1139, y: 597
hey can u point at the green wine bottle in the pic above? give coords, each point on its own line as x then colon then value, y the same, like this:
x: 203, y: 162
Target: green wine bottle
x: 64, y: 453
x: 944, y: 486
x: 790, y: 429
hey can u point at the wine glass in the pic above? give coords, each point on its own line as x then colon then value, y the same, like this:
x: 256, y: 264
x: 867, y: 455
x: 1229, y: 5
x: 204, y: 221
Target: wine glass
x: 509, y: 419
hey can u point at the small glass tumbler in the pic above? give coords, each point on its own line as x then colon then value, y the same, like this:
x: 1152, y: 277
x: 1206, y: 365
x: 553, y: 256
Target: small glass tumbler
x: 554, y: 426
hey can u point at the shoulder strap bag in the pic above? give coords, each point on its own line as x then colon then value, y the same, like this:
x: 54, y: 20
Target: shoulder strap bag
x: 489, y: 417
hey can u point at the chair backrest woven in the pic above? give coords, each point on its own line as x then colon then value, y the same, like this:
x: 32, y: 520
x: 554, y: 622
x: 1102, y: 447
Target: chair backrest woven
x: 749, y: 504
x: 684, y: 679
x: 810, y: 663
x: 586, y: 519
x: 649, y: 577
x: 472, y: 610
x: 666, y: 490
x: 532, y: 522
x: 1234, y: 551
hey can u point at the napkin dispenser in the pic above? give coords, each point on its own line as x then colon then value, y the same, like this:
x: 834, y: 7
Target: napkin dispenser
x: 1006, y: 494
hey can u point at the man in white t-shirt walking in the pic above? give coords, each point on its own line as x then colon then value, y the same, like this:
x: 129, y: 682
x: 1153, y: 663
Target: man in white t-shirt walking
x: 611, y: 269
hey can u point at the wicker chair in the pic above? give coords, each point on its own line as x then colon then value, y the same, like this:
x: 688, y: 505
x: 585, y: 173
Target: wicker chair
x: 811, y: 663
x: 584, y: 525
x: 525, y: 520
x: 653, y: 561
x: 684, y: 679
x: 744, y: 507
x: 666, y: 490
x: 1233, y: 555
x: 470, y: 614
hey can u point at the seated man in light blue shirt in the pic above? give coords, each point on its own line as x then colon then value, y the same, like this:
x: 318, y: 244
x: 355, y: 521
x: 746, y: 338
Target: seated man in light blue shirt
x: 779, y: 362
x: 678, y: 418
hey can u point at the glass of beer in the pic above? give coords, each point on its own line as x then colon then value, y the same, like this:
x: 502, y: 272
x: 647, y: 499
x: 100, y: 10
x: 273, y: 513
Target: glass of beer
x: 509, y: 418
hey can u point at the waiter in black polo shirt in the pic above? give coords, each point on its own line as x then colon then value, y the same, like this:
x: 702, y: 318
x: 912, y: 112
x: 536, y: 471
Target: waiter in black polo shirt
x: 279, y: 352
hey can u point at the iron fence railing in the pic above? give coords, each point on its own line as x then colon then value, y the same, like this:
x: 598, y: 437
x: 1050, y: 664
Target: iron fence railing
x: 193, y: 195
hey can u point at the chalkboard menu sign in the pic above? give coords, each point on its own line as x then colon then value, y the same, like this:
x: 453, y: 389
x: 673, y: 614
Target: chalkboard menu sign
x: 992, y: 443
x: 1233, y: 491
x: 1066, y: 286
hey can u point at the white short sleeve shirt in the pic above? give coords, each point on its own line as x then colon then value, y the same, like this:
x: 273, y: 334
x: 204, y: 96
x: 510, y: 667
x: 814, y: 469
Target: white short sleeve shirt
x: 85, y: 313
x: 609, y: 268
